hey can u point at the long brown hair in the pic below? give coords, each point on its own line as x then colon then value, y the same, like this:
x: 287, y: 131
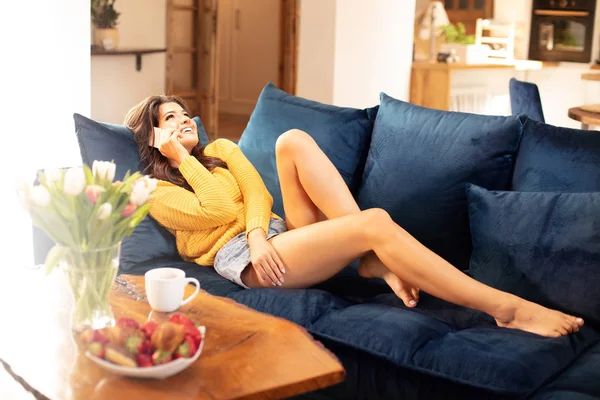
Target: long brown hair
x: 141, y: 119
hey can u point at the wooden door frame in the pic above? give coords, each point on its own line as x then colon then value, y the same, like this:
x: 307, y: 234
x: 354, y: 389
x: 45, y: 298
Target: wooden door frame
x: 290, y: 34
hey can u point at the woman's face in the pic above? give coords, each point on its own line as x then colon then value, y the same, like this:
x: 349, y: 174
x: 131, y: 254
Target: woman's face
x: 173, y: 117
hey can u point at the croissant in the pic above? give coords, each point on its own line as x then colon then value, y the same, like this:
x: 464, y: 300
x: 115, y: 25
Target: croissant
x: 168, y: 336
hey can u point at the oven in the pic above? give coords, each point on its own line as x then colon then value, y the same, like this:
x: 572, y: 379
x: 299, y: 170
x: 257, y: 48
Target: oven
x: 562, y: 30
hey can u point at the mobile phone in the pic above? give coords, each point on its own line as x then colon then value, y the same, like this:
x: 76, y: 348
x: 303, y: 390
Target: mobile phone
x: 160, y: 136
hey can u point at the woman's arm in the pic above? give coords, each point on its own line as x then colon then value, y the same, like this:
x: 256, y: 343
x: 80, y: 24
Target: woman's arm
x: 257, y: 199
x: 179, y: 209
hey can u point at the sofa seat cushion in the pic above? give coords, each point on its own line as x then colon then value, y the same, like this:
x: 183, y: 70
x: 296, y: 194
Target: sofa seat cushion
x: 557, y: 159
x: 437, y: 338
x: 420, y: 161
x: 302, y: 306
x: 210, y: 281
x: 580, y: 382
x: 482, y: 355
x: 342, y: 133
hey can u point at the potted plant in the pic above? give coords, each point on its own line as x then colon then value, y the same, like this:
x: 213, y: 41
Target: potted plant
x: 463, y: 45
x: 105, y: 19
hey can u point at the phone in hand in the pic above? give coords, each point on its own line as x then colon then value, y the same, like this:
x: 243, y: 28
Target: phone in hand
x: 160, y: 136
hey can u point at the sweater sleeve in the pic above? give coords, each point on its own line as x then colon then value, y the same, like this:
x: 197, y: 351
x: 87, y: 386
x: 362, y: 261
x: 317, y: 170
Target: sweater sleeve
x: 257, y: 199
x: 179, y: 209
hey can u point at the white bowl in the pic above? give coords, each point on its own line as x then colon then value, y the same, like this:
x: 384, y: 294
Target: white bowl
x: 156, y: 372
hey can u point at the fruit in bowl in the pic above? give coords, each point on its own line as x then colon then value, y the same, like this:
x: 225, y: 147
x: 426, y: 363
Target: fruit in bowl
x: 129, y: 346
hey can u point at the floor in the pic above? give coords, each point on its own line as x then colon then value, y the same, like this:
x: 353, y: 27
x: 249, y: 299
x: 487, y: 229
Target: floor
x: 232, y: 126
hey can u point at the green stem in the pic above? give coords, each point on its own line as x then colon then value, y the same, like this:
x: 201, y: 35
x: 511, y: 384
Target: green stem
x: 90, y: 275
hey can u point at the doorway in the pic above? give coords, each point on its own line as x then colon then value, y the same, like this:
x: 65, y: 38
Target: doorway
x: 221, y: 53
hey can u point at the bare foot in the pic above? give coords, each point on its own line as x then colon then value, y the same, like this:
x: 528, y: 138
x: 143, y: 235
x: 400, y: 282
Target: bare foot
x: 532, y: 317
x: 369, y: 266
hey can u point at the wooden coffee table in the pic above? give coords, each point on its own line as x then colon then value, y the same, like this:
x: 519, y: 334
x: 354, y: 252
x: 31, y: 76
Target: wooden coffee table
x: 247, y: 354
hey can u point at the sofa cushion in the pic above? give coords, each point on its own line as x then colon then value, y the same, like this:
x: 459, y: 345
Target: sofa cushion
x: 482, y: 355
x: 420, y: 161
x: 342, y: 133
x: 580, y: 382
x: 103, y: 141
x: 544, y: 247
x: 556, y: 159
x: 436, y: 339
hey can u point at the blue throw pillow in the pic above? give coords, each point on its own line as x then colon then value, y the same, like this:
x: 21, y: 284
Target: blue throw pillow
x: 544, y: 247
x: 556, y: 159
x: 342, y: 133
x: 419, y: 162
x: 101, y: 141
x: 105, y: 142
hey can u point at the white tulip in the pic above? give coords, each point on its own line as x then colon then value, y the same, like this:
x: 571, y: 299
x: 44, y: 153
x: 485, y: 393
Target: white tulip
x: 39, y: 195
x: 74, y: 181
x: 139, y: 194
x: 104, y: 170
x: 151, y: 183
x: 104, y: 211
x: 52, y: 175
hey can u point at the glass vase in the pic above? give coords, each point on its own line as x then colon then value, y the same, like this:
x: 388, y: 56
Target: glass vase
x: 90, y: 275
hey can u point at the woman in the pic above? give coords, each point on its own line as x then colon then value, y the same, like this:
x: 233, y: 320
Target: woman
x: 215, y: 203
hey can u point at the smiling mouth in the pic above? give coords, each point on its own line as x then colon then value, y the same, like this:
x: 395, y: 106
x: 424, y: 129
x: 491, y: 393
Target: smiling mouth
x: 187, y: 130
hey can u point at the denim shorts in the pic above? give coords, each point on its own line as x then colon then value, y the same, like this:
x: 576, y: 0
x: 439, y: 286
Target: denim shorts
x: 234, y: 256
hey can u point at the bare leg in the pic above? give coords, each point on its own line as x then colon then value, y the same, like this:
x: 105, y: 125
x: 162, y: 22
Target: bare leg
x: 316, y: 252
x: 313, y: 190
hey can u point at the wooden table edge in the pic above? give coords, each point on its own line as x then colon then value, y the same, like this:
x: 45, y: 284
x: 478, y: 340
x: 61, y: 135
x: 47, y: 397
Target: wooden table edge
x: 585, y: 117
x: 19, y: 380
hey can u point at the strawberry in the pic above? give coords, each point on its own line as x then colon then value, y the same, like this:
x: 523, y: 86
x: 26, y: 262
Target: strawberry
x: 145, y: 348
x: 161, y: 357
x: 97, y: 349
x: 194, y: 333
x: 188, y: 348
x: 95, y: 336
x: 124, y: 322
x: 144, y: 360
x: 181, y: 320
x: 148, y: 328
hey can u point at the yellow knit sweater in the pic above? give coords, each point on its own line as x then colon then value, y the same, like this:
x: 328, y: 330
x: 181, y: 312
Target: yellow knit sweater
x: 225, y: 202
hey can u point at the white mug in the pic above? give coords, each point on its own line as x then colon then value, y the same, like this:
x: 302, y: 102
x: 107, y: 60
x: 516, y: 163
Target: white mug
x: 165, y: 288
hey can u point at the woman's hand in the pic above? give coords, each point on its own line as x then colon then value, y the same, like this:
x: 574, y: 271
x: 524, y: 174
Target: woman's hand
x: 264, y: 259
x: 172, y: 148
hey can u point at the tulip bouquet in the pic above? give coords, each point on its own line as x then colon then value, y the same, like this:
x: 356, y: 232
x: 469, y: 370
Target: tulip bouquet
x: 87, y: 215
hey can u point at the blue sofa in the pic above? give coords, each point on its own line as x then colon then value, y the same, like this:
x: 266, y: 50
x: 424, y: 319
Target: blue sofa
x: 446, y: 178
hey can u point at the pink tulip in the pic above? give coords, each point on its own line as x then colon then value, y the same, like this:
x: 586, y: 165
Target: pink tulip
x: 128, y: 210
x: 93, y: 192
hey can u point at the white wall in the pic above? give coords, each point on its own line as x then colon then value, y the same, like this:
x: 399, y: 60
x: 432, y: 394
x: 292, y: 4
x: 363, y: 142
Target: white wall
x: 349, y: 52
x: 373, y: 51
x: 316, y: 50
x: 44, y: 80
x: 115, y: 83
